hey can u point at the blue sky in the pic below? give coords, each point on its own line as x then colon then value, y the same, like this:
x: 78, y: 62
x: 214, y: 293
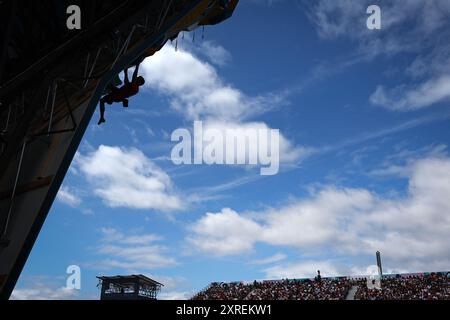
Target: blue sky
x: 364, y: 123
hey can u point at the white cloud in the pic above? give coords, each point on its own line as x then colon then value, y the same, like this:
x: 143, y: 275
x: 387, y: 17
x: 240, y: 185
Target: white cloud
x: 272, y: 259
x: 304, y: 269
x: 401, y: 163
x: 404, y: 99
x: 337, y: 18
x: 132, y: 252
x: 68, y: 196
x: 347, y: 18
x: 197, y: 91
x: 112, y: 235
x: 176, y: 295
x: 214, y: 53
x: 44, y: 293
x: 224, y: 233
x: 328, y: 268
x: 43, y: 288
x: 302, y: 224
x: 408, y: 27
x: 392, y: 170
x: 127, y: 178
x: 410, y: 231
x: 288, y: 152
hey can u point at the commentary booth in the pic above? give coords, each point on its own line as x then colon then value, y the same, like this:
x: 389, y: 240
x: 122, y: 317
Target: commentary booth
x: 134, y: 287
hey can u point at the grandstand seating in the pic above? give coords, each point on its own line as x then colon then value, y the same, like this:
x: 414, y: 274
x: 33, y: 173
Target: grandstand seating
x: 429, y: 286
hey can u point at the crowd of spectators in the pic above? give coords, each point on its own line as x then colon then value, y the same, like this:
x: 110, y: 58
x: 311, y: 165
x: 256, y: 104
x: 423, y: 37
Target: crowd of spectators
x: 300, y: 290
x: 327, y: 289
x: 224, y: 291
x: 432, y: 286
x: 415, y: 287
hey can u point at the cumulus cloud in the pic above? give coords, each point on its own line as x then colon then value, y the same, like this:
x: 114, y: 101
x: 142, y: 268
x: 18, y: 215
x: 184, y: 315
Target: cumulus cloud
x: 411, y: 231
x: 127, y: 178
x: 224, y: 233
x: 132, y: 252
x: 197, y: 92
x: 303, y: 224
x: 288, y: 152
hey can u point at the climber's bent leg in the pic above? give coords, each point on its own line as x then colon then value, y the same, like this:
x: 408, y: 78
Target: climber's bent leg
x: 102, y: 111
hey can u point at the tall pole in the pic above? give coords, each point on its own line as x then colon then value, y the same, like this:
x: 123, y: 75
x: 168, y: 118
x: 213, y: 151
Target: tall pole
x: 380, y: 268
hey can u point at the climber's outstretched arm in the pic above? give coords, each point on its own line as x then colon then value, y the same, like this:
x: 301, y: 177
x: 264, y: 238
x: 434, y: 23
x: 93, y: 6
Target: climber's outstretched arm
x: 136, y: 72
x: 126, y: 80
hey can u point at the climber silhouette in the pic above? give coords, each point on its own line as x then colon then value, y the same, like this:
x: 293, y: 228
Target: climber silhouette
x: 129, y: 89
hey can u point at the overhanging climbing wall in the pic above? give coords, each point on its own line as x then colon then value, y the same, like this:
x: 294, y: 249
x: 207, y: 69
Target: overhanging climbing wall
x: 49, y: 94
